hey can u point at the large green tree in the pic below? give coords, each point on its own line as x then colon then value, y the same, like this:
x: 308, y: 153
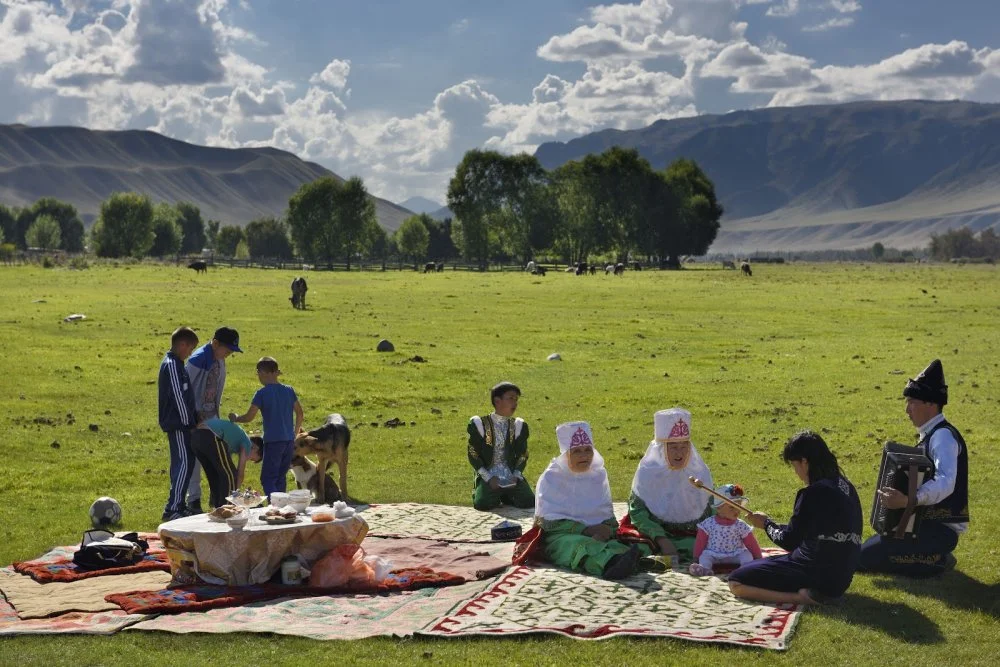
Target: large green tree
x: 356, y: 218
x: 44, y: 233
x: 212, y: 232
x: 227, y: 240
x: 439, y: 241
x: 8, y: 220
x: 412, y: 237
x: 71, y: 229
x: 330, y: 219
x: 268, y: 237
x: 124, y: 226
x: 166, y: 230
x: 192, y: 227
x: 475, y: 193
x: 699, y: 208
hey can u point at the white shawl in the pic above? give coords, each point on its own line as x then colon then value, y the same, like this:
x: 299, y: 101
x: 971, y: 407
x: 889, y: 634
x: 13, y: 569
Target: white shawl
x: 667, y: 493
x: 584, y: 497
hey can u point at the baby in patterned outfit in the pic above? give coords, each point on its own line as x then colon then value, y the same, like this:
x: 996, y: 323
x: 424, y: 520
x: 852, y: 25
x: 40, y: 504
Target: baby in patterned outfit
x: 723, y: 538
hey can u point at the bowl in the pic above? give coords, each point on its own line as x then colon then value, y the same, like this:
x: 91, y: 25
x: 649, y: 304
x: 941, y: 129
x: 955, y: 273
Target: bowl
x: 278, y: 498
x: 300, y: 494
x: 300, y: 504
x: 239, y: 521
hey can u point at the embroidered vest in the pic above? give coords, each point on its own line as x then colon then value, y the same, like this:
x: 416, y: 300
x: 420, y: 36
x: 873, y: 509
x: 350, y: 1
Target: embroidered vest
x: 954, y: 508
x: 489, y: 434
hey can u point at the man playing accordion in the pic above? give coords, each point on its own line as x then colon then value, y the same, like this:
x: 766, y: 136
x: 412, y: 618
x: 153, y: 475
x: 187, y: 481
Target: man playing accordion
x: 943, y: 499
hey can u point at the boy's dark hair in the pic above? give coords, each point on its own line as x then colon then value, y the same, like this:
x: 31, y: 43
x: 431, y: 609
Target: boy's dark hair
x: 258, y: 442
x: 809, y: 446
x: 268, y: 365
x: 183, y: 335
x: 501, y: 389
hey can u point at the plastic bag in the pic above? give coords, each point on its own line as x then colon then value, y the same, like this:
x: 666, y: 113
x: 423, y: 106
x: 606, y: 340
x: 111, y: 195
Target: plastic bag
x: 343, y: 566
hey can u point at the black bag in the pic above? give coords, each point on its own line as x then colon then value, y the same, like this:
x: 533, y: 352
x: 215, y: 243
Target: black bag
x: 100, y: 549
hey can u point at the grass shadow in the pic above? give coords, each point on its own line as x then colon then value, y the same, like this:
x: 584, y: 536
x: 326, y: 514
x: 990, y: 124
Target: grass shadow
x: 894, y: 619
x: 956, y: 589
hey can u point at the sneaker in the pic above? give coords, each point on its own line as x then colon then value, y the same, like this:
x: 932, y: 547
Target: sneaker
x: 622, y: 565
x: 170, y: 516
x: 195, y: 508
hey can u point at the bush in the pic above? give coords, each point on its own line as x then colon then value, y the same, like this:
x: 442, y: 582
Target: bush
x: 79, y: 263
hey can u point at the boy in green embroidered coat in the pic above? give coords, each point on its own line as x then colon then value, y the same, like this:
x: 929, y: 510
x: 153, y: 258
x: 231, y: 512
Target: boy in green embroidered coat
x: 574, y: 510
x: 498, y: 452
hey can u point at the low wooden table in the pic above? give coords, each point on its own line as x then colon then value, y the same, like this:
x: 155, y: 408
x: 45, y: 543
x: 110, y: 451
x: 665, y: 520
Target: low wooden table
x: 206, y: 551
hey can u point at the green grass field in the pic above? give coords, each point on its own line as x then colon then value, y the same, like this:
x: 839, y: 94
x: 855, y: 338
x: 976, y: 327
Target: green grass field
x: 827, y: 347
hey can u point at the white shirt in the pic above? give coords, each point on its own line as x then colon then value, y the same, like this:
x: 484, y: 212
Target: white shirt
x: 942, y: 448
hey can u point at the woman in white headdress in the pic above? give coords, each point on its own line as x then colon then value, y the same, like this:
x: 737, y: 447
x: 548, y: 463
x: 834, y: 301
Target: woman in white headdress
x: 573, y: 509
x: 664, y: 507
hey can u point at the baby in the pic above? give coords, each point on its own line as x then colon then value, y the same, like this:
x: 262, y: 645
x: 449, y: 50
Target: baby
x: 723, y: 538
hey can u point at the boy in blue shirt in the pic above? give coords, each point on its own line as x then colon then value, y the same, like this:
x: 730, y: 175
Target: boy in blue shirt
x: 177, y: 417
x: 276, y: 403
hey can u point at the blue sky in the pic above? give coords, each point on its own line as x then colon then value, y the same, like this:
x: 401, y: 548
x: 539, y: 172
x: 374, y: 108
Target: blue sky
x: 397, y: 90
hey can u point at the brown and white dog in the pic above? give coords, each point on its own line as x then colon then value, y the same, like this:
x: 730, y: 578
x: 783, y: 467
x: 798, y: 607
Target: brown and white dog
x: 306, y: 477
x: 329, y: 444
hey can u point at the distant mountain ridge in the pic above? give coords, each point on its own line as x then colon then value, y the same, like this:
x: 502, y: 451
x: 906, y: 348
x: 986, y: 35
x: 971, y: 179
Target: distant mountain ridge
x: 420, y: 205
x: 831, y: 176
x: 83, y: 167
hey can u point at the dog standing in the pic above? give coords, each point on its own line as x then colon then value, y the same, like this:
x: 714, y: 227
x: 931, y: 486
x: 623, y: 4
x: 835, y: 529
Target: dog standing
x: 329, y: 444
x: 306, y: 477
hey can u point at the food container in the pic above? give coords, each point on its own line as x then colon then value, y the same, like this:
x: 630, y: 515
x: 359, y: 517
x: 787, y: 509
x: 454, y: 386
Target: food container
x: 238, y: 521
x: 291, y: 571
x: 299, y: 504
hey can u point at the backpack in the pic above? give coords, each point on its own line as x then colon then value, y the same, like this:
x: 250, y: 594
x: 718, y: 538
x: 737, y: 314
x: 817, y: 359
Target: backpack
x: 100, y: 549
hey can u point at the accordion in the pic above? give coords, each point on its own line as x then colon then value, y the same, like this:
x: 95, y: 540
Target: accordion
x: 904, y: 469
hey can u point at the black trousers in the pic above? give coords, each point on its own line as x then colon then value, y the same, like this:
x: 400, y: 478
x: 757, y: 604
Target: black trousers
x: 214, y: 457
x: 920, y: 557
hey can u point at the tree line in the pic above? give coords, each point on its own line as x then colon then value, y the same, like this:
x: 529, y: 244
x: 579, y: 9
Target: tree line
x: 964, y: 243
x: 505, y: 207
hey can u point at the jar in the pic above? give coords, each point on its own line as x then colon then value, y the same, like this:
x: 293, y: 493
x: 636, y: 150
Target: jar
x: 291, y: 572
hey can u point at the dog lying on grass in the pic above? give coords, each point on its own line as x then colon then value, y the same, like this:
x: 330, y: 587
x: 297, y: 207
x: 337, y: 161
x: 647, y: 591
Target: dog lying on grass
x: 328, y: 444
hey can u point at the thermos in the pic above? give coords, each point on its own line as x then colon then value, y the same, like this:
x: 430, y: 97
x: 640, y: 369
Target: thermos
x: 291, y: 573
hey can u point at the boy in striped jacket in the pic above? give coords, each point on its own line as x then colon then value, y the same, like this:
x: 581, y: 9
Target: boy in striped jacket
x: 177, y: 417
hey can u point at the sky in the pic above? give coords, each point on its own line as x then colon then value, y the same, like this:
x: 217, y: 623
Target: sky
x: 396, y: 91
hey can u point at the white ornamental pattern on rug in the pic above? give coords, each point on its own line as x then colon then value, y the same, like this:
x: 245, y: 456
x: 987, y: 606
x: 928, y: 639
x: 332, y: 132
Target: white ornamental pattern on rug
x: 671, y: 604
x: 447, y: 522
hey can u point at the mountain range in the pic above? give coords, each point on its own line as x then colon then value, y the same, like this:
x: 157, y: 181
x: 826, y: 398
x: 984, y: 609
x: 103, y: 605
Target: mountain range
x: 83, y: 167
x: 833, y: 176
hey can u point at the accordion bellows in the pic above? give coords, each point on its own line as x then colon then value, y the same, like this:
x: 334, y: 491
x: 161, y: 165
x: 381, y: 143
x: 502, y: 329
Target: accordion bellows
x: 904, y: 469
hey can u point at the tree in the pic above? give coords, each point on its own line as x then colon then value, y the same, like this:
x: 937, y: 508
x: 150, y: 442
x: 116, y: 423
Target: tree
x: 439, y: 241
x: 575, y: 196
x: 166, y: 230
x: 878, y: 251
x: 44, y: 233
x: 412, y: 237
x: 228, y: 239
x: 242, y: 251
x: 8, y: 220
x: 699, y: 210
x: 268, y: 237
x: 355, y: 217
x: 124, y: 226
x: 71, y: 228
x: 312, y: 216
x: 212, y: 232
x: 474, y: 193
x: 192, y: 227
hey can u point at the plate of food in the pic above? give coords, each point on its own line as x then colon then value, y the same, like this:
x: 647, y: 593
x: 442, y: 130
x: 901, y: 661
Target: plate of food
x: 276, y: 516
x: 224, y: 512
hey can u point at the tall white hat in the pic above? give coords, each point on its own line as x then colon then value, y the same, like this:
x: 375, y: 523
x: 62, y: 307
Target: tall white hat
x: 673, y: 425
x: 574, y: 434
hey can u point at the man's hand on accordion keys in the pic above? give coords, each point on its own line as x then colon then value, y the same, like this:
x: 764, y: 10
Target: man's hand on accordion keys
x: 892, y: 498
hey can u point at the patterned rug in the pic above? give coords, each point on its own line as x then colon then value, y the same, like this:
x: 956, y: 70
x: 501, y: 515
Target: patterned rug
x: 670, y: 604
x: 446, y: 522
x: 58, y: 565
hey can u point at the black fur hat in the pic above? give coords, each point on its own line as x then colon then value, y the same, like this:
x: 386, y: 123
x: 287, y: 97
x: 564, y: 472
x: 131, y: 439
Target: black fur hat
x: 929, y: 385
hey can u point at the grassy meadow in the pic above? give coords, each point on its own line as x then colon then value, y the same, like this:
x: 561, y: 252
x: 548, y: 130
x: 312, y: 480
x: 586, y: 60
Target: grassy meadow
x: 824, y: 346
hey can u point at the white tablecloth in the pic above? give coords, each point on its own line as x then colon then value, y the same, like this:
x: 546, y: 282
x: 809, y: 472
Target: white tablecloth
x: 213, y: 552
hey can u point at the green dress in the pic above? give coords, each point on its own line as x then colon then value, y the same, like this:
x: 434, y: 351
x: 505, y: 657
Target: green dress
x: 515, y: 455
x: 681, y: 534
x: 566, y: 546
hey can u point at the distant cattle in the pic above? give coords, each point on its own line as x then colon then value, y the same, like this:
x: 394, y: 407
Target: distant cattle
x: 299, y: 289
x: 199, y: 266
x: 593, y: 269
x: 430, y: 267
x: 538, y: 271
x: 727, y: 264
x: 581, y: 268
x: 440, y: 267
x: 619, y: 269
x: 609, y: 269
x: 530, y: 266
x: 745, y: 269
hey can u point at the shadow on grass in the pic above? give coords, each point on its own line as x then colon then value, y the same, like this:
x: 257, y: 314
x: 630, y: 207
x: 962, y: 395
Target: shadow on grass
x: 956, y: 589
x: 895, y: 619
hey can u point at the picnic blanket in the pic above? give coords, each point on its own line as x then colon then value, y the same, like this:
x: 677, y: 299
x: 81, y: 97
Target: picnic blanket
x: 671, y: 604
x: 58, y: 565
x: 31, y: 599
x: 87, y: 623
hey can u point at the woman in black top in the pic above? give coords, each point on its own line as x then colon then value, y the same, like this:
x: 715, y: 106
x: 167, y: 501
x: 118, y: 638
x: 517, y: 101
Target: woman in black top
x: 823, y: 537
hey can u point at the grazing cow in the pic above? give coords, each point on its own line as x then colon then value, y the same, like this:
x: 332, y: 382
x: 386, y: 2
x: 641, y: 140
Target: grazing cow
x: 727, y: 264
x: 440, y: 267
x: 538, y: 271
x: 593, y: 269
x: 619, y: 269
x: 609, y: 269
x: 430, y: 267
x: 199, y: 266
x: 530, y: 267
x: 299, y: 289
x: 581, y: 268
x: 745, y: 269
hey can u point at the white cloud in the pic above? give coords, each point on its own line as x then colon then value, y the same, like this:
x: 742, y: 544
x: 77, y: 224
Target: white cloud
x: 845, y: 6
x: 785, y: 9
x: 459, y: 26
x: 830, y: 24
x: 333, y: 75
